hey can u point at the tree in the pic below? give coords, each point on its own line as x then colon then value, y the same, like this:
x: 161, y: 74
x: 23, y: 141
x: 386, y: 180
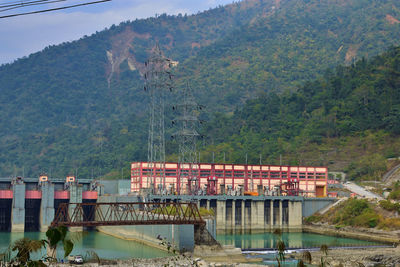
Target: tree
x: 25, y: 247
x: 55, y: 236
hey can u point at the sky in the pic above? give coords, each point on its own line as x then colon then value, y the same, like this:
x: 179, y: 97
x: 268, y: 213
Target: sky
x: 23, y: 35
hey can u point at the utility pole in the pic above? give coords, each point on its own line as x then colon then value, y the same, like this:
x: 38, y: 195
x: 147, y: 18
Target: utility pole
x: 187, y: 135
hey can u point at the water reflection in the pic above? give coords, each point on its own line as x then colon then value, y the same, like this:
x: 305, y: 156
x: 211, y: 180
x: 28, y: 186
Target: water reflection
x: 292, y: 240
x: 105, y: 246
x: 109, y: 247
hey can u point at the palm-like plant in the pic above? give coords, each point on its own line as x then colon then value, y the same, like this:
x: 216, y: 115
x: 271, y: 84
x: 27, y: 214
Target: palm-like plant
x: 280, y: 245
x: 300, y: 263
x: 5, y: 256
x: 307, y: 258
x: 54, y: 237
x: 324, y: 249
x: 25, y: 247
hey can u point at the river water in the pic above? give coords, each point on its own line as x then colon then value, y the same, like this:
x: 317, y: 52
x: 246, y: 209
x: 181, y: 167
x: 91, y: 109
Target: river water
x: 264, y: 243
x: 292, y: 240
x: 109, y: 247
x: 103, y: 245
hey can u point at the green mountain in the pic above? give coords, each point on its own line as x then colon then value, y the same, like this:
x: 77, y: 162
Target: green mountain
x: 347, y: 119
x: 295, y: 43
x: 80, y: 106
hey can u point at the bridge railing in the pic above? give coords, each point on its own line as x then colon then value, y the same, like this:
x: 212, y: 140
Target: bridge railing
x: 127, y: 213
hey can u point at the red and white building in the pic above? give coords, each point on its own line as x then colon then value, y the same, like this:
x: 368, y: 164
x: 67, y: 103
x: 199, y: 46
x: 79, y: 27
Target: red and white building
x: 311, y: 181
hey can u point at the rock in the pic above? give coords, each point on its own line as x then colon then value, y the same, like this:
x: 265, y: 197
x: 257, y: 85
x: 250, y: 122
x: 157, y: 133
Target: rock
x: 376, y: 258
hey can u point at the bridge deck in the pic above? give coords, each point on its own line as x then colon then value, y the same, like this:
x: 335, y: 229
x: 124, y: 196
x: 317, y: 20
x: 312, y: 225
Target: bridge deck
x: 127, y: 213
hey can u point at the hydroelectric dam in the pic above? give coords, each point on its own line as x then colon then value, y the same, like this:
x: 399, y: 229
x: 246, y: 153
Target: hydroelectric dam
x: 30, y: 204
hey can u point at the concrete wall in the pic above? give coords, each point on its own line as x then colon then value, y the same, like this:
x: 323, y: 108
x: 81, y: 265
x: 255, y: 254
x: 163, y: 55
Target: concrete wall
x: 117, y: 198
x: 211, y: 226
x: 18, y: 208
x: 179, y: 236
x: 112, y: 187
x: 313, y: 205
x: 124, y: 187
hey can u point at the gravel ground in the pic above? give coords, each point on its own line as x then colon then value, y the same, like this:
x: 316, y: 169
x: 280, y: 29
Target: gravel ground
x: 176, y: 261
x: 357, y: 257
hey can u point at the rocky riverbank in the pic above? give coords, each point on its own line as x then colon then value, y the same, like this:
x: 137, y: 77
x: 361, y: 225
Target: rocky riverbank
x: 203, y: 256
x: 185, y: 260
x: 368, y: 257
x: 369, y: 234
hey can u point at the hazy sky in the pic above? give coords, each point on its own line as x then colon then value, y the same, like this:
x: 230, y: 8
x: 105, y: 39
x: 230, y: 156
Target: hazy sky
x: 22, y: 35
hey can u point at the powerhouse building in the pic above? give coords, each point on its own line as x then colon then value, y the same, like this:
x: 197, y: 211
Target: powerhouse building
x: 220, y: 179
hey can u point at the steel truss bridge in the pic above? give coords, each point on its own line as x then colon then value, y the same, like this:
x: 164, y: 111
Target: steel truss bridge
x: 126, y: 213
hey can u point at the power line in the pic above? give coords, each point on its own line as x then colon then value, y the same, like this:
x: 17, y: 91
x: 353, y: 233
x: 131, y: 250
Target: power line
x: 22, y: 3
x: 53, y: 9
x: 33, y: 4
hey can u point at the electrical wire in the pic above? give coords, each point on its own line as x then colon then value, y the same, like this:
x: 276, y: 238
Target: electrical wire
x: 22, y: 3
x: 33, y: 4
x: 54, y: 9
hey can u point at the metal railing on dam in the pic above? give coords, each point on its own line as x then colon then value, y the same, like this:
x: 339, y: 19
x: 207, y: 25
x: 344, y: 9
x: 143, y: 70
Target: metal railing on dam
x: 128, y: 213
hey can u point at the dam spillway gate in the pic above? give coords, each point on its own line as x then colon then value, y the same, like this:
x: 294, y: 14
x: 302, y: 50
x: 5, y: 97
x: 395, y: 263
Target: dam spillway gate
x: 129, y: 213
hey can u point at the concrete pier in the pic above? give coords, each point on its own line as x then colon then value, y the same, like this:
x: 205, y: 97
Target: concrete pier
x: 47, y: 206
x: 75, y: 196
x: 271, y: 214
x: 295, y: 215
x: 18, y: 207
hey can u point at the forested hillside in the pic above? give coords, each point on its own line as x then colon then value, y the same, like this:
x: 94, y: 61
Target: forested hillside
x: 80, y: 106
x: 296, y: 43
x: 349, y: 119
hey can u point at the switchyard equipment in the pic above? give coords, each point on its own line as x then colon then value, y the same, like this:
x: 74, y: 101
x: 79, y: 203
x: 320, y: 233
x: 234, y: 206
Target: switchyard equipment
x: 291, y: 187
x: 212, y: 185
x: 237, y: 178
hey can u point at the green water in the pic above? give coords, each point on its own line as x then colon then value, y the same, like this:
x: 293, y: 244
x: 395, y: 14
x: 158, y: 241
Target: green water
x: 105, y: 246
x: 109, y: 247
x: 292, y: 240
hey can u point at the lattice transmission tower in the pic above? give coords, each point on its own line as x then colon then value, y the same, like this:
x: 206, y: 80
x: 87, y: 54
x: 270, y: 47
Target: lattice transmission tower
x: 187, y: 135
x: 158, y: 81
